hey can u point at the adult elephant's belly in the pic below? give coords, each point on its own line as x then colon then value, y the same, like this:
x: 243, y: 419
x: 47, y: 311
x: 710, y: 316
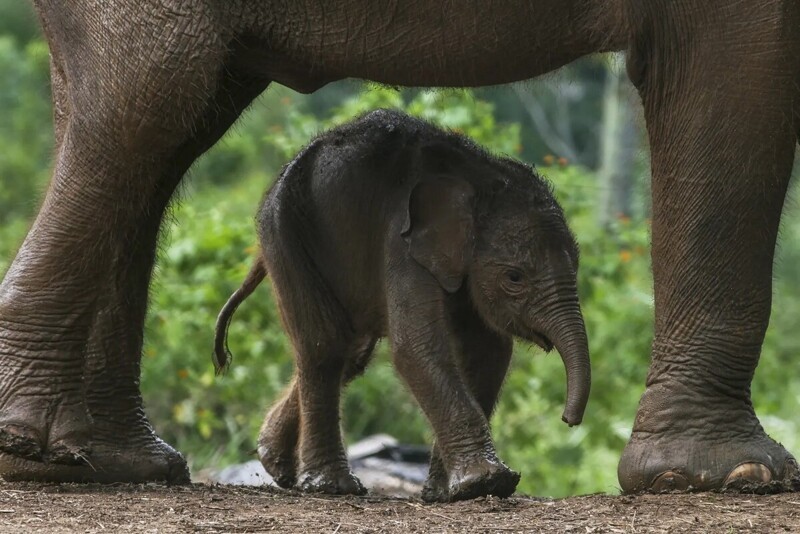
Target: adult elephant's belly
x: 423, y: 43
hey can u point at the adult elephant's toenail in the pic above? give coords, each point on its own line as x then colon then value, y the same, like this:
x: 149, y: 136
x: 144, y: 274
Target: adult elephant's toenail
x: 21, y: 441
x: 669, y: 481
x: 749, y: 472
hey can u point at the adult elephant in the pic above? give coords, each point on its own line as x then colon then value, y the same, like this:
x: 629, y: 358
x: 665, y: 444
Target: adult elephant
x: 141, y: 89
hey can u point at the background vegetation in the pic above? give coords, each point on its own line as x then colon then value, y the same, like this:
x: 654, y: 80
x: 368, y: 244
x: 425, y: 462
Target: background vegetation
x: 579, y: 127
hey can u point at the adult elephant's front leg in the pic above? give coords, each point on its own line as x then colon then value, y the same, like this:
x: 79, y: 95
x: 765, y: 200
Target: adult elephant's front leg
x: 719, y: 94
x: 73, y: 303
x: 123, y: 444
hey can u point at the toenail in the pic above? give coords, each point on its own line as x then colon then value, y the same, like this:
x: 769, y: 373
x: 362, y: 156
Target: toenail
x: 750, y: 472
x: 669, y: 481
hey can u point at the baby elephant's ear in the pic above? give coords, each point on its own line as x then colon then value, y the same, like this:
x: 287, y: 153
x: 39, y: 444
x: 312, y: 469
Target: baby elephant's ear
x: 439, y: 228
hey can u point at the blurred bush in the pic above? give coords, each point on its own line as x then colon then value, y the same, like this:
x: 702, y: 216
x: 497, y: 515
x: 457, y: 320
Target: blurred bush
x: 26, y: 130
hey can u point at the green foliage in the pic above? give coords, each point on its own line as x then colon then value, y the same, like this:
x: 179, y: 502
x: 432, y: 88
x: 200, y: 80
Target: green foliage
x: 18, y: 20
x: 26, y: 131
x: 11, y: 235
x: 204, y: 258
x: 244, y: 151
x: 453, y: 109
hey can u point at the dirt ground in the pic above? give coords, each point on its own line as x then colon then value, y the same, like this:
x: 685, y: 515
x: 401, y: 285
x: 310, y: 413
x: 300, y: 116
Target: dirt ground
x: 203, y: 508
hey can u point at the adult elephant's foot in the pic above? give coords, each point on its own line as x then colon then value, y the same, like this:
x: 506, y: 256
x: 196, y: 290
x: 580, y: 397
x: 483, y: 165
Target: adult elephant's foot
x: 133, y: 456
x: 49, y: 435
x: 713, y: 447
x: 333, y: 480
x: 43, y: 416
x: 750, y: 463
x: 31, y: 429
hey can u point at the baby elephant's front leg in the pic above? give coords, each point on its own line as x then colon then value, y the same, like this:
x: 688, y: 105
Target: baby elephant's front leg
x: 423, y: 355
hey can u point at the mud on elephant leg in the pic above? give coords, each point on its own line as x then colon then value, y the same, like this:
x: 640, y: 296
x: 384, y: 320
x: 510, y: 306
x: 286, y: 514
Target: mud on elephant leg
x: 718, y: 191
x: 485, y: 357
x: 116, y: 170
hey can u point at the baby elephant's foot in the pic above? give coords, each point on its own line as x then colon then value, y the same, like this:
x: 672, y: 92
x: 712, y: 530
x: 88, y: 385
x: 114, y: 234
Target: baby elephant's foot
x: 436, y: 488
x: 486, y: 476
x: 281, y: 466
x: 333, y: 480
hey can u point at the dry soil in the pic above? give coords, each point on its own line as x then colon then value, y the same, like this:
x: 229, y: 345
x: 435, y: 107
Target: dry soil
x: 203, y: 508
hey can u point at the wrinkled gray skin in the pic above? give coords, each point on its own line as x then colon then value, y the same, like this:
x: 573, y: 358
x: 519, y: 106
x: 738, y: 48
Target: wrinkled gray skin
x: 141, y: 89
x: 388, y: 226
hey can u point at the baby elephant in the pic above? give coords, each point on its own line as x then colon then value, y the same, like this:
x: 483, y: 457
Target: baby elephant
x: 389, y: 226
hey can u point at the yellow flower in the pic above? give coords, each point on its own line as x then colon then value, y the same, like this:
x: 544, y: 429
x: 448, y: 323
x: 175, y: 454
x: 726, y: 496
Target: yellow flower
x: 548, y: 159
x: 625, y: 256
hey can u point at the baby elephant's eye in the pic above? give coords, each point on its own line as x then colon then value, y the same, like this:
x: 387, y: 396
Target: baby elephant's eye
x: 514, y: 276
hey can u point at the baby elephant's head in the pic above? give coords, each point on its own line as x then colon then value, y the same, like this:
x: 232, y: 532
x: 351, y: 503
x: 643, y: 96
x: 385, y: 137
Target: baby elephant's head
x: 503, y: 237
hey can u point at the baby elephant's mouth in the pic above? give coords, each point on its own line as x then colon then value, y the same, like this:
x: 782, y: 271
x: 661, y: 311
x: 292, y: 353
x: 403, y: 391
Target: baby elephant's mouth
x: 542, y: 341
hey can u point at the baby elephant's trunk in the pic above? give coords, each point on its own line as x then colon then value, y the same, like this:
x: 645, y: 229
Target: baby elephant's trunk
x: 569, y: 338
x: 222, y: 355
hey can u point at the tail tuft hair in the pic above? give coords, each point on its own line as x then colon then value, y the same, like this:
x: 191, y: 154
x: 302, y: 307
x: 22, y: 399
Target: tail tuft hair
x: 222, y: 355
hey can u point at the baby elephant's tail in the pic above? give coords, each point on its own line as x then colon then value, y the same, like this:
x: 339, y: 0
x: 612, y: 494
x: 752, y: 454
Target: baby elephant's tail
x: 222, y: 356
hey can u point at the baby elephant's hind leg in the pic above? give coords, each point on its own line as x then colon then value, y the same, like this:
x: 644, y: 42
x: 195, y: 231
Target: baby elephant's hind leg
x: 279, y: 436
x: 277, y: 441
x: 323, y: 463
